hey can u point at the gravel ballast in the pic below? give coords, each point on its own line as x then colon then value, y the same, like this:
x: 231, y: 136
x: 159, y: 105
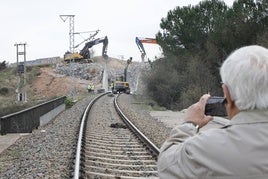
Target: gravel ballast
x: 48, y: 152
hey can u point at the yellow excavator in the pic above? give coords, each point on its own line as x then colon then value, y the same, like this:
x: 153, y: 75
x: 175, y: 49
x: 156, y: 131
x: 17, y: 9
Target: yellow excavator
x: 121, y: 84
x: 84, y: 53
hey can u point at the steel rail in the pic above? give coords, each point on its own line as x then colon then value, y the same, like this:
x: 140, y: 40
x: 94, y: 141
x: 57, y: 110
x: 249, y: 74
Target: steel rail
x: 134, y: 129
x: 81, y: 131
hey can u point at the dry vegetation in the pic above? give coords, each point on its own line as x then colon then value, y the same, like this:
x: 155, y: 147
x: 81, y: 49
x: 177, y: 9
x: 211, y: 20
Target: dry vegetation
x: 42, y: 84
x: 8, y: 86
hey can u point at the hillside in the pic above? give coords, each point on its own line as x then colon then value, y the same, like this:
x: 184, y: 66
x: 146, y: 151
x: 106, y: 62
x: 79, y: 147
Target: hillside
x: 49, y: 81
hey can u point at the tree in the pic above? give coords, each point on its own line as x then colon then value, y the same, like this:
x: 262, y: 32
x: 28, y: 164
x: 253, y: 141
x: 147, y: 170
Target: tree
x: 188, y: 28
x: 195, y: 41
x: 163, y: 84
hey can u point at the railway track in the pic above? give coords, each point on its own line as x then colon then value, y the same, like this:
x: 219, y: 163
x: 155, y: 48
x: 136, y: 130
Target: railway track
x: 112, y: 147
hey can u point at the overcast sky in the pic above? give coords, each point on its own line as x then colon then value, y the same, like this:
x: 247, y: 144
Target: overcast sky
x: 37, y: 23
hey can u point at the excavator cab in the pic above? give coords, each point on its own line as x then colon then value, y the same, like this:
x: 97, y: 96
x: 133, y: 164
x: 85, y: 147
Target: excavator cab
x: 72, y: 56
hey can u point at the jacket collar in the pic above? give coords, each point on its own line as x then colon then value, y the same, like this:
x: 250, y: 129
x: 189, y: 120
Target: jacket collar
x: 251, y: 116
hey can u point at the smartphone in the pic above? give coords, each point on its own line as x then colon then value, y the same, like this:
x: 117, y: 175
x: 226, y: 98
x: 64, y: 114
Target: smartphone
x: 215, y: 106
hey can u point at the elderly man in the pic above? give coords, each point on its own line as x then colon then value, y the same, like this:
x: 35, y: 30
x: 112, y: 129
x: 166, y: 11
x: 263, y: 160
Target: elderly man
x: 239, y: 150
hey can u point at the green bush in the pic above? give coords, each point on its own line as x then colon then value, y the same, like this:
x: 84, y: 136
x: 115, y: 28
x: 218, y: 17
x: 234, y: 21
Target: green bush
x: 69, y: 102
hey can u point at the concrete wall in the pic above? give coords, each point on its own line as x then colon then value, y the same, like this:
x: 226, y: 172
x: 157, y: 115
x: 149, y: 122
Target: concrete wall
x: 44, y: 119
x: 26, y: 120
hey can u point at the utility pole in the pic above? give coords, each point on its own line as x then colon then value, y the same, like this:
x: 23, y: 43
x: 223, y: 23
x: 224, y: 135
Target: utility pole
x: 71, y: 44
x: 21, y: 69
x: 71, y: 29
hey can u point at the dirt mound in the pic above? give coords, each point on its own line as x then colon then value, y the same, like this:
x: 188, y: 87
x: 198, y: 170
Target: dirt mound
x: 49, y: 84
x: 66, y: 79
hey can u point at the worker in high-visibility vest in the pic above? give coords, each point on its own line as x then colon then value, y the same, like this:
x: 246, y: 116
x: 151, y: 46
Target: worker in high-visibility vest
x: 90, y: 88
x: 112, y: 86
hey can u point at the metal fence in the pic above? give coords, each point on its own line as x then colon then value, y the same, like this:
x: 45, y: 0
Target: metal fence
x: 26, y: 120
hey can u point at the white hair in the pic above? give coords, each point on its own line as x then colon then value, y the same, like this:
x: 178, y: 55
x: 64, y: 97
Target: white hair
x: 245, y: 73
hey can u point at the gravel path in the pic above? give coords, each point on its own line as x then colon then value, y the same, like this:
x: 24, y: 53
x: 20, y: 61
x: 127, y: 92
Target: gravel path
x: 137, y: 113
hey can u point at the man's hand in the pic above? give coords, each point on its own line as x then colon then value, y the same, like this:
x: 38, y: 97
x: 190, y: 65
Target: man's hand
x: 196, y: 112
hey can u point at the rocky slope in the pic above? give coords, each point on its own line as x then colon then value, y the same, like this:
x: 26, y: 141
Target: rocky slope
x: 93, y: 72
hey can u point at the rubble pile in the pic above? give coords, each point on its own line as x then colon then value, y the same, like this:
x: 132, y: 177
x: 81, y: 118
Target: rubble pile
x: 94, y: 71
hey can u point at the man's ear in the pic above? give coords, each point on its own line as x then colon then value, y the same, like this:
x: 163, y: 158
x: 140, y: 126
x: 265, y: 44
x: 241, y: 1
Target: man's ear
x: 230, y: 105
x: 227, y: 94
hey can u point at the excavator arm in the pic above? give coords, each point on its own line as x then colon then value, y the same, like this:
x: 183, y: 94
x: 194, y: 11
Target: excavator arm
x: 148, y: 40
x: 104, y: 48
x: 141, y: 48
x: 85, y: 51
x: 90, y: 37
x: 140, y: 41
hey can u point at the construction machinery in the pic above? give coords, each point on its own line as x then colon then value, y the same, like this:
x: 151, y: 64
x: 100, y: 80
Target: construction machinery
x: 121, y: 84
x: 140, y: 41
x: 85, y: 53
